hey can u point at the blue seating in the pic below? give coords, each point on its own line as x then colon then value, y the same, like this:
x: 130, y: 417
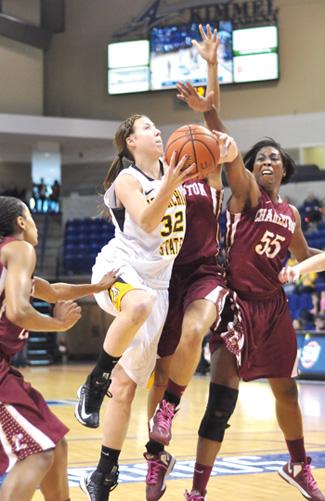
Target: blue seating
x: 83, y: 239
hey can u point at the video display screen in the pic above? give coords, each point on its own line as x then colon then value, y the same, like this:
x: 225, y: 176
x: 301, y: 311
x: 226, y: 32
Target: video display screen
x: 255, y: 54
x: 128, y: 67
x: 244, y: 55
x: 173, y: 58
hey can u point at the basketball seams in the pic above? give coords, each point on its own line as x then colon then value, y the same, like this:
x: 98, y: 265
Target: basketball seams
x: 195, y: 140
x: 193, y: 147
x: 209, y: 150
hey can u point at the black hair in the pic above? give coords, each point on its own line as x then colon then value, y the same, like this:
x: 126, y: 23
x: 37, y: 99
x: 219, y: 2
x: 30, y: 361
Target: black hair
x: 10, y: 209
x: 288, y: 162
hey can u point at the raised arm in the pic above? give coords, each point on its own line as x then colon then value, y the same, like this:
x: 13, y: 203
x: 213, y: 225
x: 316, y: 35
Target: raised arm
x: 19, y: 259
x: 149, y: 216
x: 208, y: 50
x: 244, y: 188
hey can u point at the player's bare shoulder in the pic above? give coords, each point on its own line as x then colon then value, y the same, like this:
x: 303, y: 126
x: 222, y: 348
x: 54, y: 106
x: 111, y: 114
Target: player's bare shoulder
x: 18, y: 251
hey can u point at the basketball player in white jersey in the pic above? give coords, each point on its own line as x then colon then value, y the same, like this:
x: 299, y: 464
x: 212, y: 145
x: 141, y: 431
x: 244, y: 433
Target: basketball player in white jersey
x: 147, y: 205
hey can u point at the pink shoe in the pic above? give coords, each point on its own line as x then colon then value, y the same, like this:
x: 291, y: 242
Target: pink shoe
x: 161, y: 424
x: 299, y: 475
x: 194, y: 496
x: 159, y: 467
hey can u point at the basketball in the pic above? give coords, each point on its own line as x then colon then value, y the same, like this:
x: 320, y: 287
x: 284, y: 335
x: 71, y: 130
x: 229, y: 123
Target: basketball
x: 197, y: 142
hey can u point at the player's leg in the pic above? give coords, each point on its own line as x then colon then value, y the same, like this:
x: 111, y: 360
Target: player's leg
x: 26, y: 476
x: 160, y: 382
x: 223, y: 396
x: 198, y: 318
x: 104, y: 479
x: 298, y: 471
x: 133, y: 369
x: 169, y: 338
x: 135, y: 308
x: 54, y: 485
x: 287, y: 408
x: 202, y: 303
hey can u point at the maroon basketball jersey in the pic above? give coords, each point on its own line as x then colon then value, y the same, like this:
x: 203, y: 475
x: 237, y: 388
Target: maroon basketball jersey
x: 12, y: 337
x: 203, y: 210
x: 257, y: 243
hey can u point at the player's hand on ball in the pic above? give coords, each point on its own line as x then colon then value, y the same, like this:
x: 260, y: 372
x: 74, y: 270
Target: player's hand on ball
x: 107, y: 281
x: 189, y: 95
x: 227, y: 145
x: 177, y: 172
x: 68, y: 313
x: 288, y: 274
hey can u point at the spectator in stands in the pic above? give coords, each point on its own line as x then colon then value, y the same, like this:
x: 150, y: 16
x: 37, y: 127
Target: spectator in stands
x: 297, y: 324
x: 320, y: 323
x: 322, y: 303
x: 55, y: 197
x: 312, y: 209
x: 307, y: 319
x: 41, y: 196
x: 316, y: 303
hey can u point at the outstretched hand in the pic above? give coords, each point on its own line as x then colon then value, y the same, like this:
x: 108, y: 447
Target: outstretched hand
x: 208, y: 48
x: 288, y: 274
x: 107, y: 281
x: 189, y: 95
x: 227, y: 145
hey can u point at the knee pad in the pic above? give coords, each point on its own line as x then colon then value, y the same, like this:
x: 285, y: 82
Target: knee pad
x: 221, y: 404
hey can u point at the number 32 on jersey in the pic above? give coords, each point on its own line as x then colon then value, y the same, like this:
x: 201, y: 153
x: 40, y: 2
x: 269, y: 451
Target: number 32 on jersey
x: 173, y: 230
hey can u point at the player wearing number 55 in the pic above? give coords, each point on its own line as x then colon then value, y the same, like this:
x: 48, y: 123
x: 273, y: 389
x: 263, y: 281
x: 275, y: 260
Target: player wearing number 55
x: 256, y: 327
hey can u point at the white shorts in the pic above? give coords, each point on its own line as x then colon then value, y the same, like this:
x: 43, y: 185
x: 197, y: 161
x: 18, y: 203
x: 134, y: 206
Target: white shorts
x: 139, y: 359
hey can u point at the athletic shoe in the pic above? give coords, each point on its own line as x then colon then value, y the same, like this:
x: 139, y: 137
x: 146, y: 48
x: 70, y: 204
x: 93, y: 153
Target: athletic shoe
x: 160, y: 426
x: 299, y: 475
x: 194, y: 496
x: 98, y: 485
x: 159, y: 467
x: 90, y: 396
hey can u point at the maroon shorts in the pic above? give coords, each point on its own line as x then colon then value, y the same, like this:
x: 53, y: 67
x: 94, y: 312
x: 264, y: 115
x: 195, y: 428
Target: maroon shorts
x: 190, y: 282
x: 27, y: 426
x: 260, y: 334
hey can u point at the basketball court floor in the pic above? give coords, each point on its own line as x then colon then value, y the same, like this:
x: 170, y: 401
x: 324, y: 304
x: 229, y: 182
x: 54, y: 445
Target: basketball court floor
x: 252, y: 452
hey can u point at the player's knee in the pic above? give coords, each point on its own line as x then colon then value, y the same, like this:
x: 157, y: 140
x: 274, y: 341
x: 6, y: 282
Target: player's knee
x: 123, y: 390
x: 221, y: 404
x: 62, y: 449
x: 288, y: 392
x: 141, y: 311
x: 161, y: 377
x: 192, y: 334
x: 45, y: 460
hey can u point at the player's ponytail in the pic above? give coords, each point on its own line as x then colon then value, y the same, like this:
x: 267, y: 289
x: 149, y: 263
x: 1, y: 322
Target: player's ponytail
x: 118, y: 164
x: 10, y: 209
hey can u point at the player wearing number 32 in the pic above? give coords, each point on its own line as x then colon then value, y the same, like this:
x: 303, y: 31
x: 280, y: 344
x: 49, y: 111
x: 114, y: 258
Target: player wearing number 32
x: 147, y: 204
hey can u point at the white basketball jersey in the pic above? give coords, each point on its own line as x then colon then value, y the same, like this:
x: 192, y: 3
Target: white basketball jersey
x: 151, y: 254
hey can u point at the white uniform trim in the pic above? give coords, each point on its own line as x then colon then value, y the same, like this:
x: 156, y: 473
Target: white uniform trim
x: 37, y: 435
